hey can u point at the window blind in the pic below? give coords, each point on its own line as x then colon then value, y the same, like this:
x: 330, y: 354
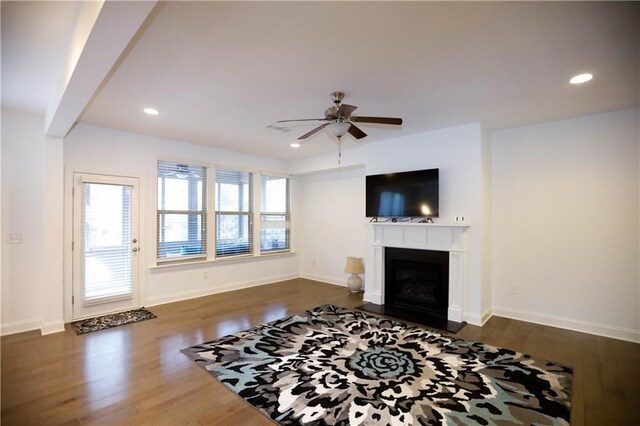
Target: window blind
x: 182, y: 211
x: 234, y: 192
x: 106, y: 242
x: 275, y: 216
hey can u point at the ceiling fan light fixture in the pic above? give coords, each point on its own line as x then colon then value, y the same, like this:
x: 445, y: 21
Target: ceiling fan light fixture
x: 339, y: 129
x: 339, y: 121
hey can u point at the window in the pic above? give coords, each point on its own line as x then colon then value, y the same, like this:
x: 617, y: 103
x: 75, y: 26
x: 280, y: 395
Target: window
x: 182, y: 215
x: 234, y: 228
x: 275, y: 220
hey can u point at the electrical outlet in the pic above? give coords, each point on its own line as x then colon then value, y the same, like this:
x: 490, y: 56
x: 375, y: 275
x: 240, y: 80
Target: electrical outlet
x: 514, y: 289
x: 205, y: 275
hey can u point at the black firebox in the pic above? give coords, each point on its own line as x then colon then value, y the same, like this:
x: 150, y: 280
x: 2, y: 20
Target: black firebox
x: 417, y: 281
x: 416, y: 288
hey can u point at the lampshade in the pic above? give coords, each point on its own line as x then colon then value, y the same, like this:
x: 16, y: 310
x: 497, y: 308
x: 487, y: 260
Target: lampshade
x: 354, y: 265
x: 339, y: 128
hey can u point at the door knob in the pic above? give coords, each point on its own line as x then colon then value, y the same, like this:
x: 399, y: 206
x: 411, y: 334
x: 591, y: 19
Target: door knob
x: 135, y: 249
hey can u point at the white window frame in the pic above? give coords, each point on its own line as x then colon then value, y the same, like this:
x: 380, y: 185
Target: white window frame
x: 211, y: 225
x: 207, y: 197
x: 287, y: 214
x: 250, y: 214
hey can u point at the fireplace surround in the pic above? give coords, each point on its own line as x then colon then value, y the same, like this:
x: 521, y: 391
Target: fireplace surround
x: 449, y: 239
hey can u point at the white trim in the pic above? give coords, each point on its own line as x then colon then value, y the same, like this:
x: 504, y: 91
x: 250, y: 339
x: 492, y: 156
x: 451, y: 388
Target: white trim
x: 105, y: 305
x: 180, y: 160
x: 454, y: 313
x: 52, y: 327
x: 69, y: 184
x: 235, y: 168
x: 330, y: 170
x: 20, y: 326
x: 479, y: 320
x: 219, y: 260
x: 206, y: 291
x: 486, y: 315
x: 325, y: 279
x: 443, y: 237
x: 429, y: 225
x: 372, y: 297
x: 274, y: 174
x: 605, y: 330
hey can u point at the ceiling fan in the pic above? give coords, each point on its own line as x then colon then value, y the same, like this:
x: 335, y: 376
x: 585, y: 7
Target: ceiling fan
x: 340, y: 121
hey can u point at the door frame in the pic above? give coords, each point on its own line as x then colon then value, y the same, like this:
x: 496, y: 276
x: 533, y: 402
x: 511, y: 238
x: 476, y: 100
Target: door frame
x: 69, y: 229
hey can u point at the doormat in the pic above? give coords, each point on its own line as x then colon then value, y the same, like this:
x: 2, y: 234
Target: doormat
x: 334, y: 366
x: 112, y: 320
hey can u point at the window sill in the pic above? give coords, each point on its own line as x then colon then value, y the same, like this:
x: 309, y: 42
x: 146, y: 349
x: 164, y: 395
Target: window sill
x: 221, y: 260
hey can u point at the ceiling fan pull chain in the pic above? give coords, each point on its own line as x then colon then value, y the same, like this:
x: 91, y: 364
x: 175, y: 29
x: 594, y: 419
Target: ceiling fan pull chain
x: 339, y: 150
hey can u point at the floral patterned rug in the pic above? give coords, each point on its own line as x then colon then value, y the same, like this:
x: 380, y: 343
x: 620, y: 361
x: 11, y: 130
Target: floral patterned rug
x: 332, y: 366
x: 112, y: 320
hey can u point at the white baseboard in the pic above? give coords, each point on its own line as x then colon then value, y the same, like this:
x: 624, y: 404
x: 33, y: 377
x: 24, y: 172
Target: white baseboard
x: 454, y: 314
x: 486, y: 315
x: 52, y: 327
x: 605, y: 330
x: 325, y: 279
x: 371, y: 297
x: 176, y: 297
x: 473, y: 319
x: 20, y: 326
x: 479, y: 320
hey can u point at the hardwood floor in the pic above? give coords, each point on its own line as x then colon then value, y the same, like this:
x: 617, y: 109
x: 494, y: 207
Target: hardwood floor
x: 136, y: 374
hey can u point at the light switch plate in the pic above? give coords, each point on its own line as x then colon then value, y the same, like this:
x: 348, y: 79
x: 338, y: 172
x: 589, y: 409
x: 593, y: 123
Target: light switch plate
x: 15, y: 238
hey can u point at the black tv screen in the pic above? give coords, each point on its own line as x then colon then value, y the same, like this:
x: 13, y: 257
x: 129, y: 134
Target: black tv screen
x: 406, y: 194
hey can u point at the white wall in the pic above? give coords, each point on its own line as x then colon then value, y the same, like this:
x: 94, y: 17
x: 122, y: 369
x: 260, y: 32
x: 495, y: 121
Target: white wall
x: 331, y: 211
x: 22, y: 205
x: 456, y: 151
x: 485, y: 204
x: 90, y: 149
x: 564, y: 195
x: 53, y: 237
x: 353, y: 156
x: 565, y: 223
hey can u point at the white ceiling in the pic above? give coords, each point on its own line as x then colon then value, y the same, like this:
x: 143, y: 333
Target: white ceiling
x: 220, y: 72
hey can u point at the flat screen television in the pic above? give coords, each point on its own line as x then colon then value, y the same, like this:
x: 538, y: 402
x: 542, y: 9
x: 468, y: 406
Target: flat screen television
x: 405, y: 194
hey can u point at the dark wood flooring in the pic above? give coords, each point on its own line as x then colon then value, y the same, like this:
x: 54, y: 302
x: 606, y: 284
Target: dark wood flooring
x: 135, y: 374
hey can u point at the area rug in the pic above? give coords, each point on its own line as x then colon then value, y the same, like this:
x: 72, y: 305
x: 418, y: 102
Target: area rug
x: 332, y: 366
x: 112, y: 320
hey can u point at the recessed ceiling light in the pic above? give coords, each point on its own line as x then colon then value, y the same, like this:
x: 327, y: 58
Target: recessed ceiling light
x: 581, y: 78
x: 295, y: 145
x: 151, y: 111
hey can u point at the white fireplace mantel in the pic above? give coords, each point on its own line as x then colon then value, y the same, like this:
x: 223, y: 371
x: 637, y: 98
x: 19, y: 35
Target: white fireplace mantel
x: 422, y: 236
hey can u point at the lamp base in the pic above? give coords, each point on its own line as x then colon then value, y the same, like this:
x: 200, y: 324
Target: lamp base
x: 354, y: 283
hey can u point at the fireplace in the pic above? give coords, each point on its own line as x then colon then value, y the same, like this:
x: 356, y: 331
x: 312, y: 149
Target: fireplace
x: 438, y: 307
x: 417, y: 281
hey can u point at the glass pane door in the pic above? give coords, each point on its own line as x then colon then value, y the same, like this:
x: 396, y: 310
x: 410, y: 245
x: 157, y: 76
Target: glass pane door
x: 107, y: 241
x: 105, y: 245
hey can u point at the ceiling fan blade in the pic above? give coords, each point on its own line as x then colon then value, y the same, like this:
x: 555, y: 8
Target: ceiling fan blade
x: 379, y: 120
x: 301, y: 119
x: 345, y: 110
x: 314, y: 131
x: 356, y: 132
